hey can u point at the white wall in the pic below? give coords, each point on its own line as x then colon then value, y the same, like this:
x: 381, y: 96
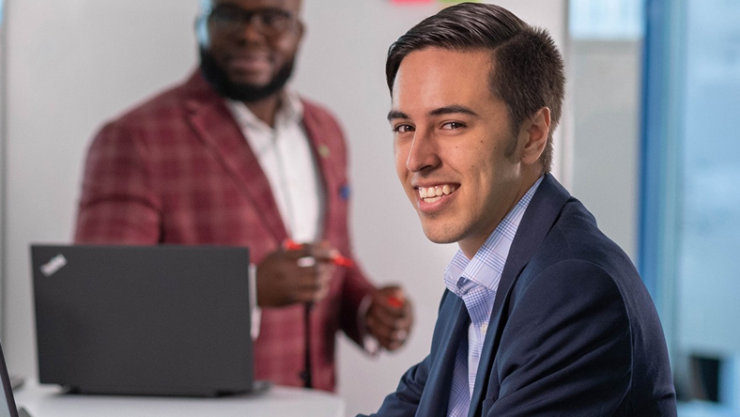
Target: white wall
x: 606, y: 100
x: 2, y: 163
x: 73, y: 64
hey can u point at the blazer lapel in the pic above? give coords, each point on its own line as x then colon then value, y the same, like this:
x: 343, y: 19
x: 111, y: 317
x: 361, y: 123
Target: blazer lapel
x: 542, y: 212
x: 213, y: 123
x: 322, y: 150
x: 329, y: 169
x: 436, y: 396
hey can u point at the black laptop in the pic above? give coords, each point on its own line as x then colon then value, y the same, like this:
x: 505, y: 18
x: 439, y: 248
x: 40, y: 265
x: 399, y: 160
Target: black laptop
x: 7, y: 403
x: 143, y: 320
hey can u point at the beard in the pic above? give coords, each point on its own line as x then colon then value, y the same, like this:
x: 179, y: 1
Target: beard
x: 219, y: 80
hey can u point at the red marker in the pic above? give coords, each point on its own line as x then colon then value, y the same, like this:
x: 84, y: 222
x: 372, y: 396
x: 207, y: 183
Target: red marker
x: 394, y: 301
x: 336, y: 257
x: 289, y: 244
x: 339, y: 260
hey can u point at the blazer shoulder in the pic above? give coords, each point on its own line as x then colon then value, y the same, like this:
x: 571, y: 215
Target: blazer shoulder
x: 169, y: 103
x: 163, y: 105
x: 576, y: 236
x: 576, y: 254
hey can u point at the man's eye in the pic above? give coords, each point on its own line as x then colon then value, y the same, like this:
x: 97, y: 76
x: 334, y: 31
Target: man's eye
x: 225, y: 14
x: 274, y: 16
x: 452, y: 125
x: 403, y: 128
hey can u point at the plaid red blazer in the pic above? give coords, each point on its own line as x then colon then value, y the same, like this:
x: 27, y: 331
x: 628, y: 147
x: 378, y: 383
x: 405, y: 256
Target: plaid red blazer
x: 177, y: 169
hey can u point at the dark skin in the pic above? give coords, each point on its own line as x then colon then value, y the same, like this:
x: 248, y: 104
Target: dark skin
x: 390, y: 317
x: 285, y: 277
x: 250, y: 57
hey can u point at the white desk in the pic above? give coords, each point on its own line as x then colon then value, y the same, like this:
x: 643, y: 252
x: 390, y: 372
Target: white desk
x: 48, y: 401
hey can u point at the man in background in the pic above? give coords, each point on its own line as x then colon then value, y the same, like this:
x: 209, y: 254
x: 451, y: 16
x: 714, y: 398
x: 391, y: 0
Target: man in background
x: 233, y: 157
x: 543, y: 315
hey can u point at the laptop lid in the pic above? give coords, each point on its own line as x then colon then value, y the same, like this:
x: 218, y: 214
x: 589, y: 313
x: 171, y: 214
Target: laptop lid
x: 159, y: 320
x: 7, y: 403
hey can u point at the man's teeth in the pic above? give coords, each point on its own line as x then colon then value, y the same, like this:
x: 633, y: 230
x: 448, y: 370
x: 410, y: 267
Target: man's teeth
x: 433, y: 193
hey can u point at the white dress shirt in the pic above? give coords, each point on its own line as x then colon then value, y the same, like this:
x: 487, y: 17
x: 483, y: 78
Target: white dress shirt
x: 285, y: 156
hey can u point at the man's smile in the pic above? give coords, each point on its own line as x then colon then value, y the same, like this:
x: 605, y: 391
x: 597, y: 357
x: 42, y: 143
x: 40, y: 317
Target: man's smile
x: 434, y: 193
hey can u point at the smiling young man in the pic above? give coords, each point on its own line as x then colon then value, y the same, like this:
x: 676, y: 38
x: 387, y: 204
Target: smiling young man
x: 234, y: 157
x: 543, y: 315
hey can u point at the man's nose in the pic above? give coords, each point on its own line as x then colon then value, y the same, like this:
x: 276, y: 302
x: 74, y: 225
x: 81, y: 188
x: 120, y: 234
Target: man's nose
x: 251, y: 26
x: 423, y: 152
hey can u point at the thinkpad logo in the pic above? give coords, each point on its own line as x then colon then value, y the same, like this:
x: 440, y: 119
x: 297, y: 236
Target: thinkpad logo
x: 55, y: 264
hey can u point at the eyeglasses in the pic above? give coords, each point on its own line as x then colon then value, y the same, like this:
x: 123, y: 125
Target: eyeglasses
x: 268, y: 21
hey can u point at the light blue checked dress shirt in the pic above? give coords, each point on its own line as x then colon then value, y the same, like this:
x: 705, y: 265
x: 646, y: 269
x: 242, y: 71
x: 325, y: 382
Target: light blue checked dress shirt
x: 476, y: 282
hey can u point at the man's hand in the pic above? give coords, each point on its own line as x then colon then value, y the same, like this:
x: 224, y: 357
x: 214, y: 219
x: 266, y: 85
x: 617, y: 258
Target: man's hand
x: 295, y: 275
x: 390, y: 317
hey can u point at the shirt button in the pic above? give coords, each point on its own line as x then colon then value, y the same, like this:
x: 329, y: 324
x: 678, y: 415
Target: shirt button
x: 483, y: 328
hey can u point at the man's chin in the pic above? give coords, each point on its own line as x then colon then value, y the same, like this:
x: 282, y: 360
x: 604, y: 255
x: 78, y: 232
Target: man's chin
x: 238, y: 85
x: 437, y: 235
x: 242, y: 80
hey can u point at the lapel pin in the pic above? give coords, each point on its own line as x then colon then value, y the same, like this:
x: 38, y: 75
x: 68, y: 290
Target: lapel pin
x: 324, y: 151
x: 344, y: 192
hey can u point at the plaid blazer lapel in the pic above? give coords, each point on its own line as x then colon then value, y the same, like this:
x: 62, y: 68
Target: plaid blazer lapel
x: 327, y: 145
x: 453, y: 322
x: 210, y: 118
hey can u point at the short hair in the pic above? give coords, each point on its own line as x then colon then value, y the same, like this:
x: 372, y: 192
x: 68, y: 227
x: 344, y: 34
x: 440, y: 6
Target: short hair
x: 528, y: 71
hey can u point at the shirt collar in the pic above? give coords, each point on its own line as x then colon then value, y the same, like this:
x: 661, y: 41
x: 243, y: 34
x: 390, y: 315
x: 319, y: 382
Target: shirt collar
x: 487, y: 265
x: 289, y: 112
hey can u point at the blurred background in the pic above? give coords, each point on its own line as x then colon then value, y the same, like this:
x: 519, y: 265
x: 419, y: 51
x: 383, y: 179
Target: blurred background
x: 649, y: 143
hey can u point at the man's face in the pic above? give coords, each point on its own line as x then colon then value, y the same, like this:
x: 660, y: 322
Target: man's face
x: 247, y: 51
x: 456, y: 154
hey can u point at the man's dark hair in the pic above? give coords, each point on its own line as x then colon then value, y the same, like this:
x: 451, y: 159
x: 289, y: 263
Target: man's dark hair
x: 527, y: 67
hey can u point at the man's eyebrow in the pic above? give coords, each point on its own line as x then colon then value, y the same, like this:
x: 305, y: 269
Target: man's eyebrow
x: 452, y: 109
x: 396, y: 114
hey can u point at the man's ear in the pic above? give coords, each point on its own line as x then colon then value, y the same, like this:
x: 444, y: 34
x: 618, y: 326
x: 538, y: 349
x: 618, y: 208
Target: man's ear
x: 300, y: 30
x: 536, y: 130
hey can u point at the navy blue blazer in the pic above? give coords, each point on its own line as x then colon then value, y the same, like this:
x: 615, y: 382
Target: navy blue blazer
x: 573, y: 330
